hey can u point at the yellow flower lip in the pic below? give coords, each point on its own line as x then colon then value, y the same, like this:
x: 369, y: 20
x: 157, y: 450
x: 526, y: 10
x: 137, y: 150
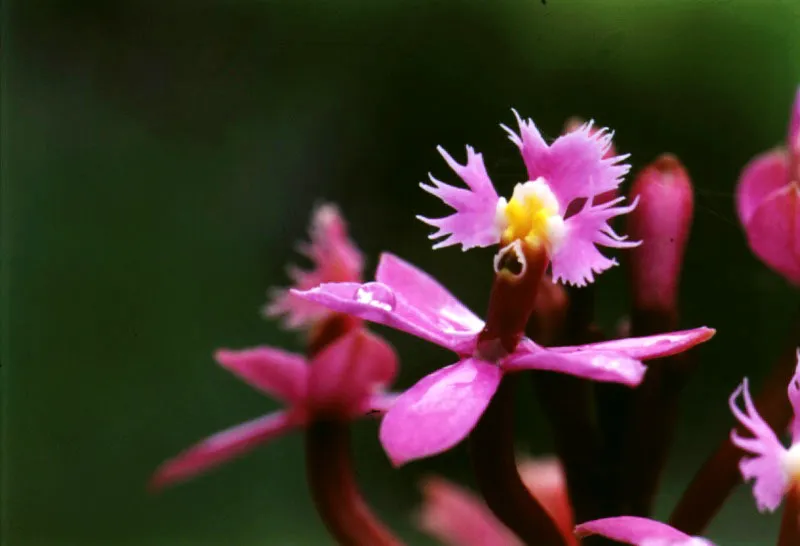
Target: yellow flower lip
x: 532, y: 216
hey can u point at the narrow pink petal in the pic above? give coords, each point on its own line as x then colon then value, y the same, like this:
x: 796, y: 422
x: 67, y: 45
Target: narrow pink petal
x: 648, y: 347
x: 635, y: 530
x: 544, y: 477
x: 408, y: 300
x: 347, y: 372
x: 335, y: 258
x: 426, y: 295
x: 457, y: 517
x: 439, y: 411
x: 605, y: 366
x: 473, y: 222
x: 222, y: 447
x: 765, y: 467
x: 278, y: 373
x: 794, y: 400
x: 761, y: 176
x: 773, y: 231
x: 577, y: 259
x: 574, y: 165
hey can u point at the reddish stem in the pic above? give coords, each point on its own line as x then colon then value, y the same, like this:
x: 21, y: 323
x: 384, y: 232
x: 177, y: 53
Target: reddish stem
x: 492, y: 450
x: 334, y: 490
x: 653, y: 413
x: 519, y: 274
x: 329, y: 467
x: 790, y: 523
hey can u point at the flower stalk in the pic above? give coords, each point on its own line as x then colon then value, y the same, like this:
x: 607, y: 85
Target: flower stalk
x: 790, y: 522
x: 329, y: 465
x: 334, y: 490
x: 518, y: 277
x: 494, y: 461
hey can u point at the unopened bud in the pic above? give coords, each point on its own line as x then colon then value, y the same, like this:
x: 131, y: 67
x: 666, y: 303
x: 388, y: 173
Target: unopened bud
x: 662, y: 222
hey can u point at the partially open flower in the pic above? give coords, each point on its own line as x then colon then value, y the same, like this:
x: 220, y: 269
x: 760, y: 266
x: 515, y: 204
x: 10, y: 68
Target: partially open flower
x: 638, y: 532
x: 344, y: 381
x: 335, y: 258
x: 574, y: 168
x: 443, y: 407
x: 772, y: 467
x: 768, y: 203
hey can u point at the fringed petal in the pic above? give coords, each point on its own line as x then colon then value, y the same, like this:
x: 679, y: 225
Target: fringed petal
x: 765, y: 467
x: 473, y: 223
x: 574, y: 165
x: 335, y: 258
x: 577, y: 259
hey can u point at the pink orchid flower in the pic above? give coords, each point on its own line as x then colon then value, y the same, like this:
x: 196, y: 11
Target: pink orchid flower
x: 442, y: 408
x: 336, y: 259
x: 344, y: 381
x: 638, y: 532
x: 768, y: 203
x: 458, y: 517
x: 573, y: 169
x: 772, y: 467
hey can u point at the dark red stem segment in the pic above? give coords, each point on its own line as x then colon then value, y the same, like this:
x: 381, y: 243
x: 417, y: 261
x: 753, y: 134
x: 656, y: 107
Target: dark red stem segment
x: 492, y: 450
x: 654, y: 410
x: 568, y: 403
x: 716, y: 479
x: 329, y: 468
x: 790, y: 523
x: 334, y: 490
x: 519, y: 272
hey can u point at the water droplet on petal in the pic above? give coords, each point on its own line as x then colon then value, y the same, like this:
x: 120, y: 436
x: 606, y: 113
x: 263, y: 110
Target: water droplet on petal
x: 376, y: 294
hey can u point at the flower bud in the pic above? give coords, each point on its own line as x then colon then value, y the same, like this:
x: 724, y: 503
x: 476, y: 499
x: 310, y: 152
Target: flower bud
x: 662, y: 222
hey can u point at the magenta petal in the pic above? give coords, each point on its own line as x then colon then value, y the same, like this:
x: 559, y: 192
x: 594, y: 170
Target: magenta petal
x: 574, y: 165
x: 577, y: 259
x: 439, y: 411
x: 636, y: 531
x: 222, y: 447
x: 765, y: 467
x: 348, y: 371
x: 278, y: 373
x: 414, y: 303
x: 794, y: 400
x: 473, y: 222
x: 605, y: 366
x: 648, y: 347
x: 427, y: 296
x: 773, y: 231
x: 761, y: 176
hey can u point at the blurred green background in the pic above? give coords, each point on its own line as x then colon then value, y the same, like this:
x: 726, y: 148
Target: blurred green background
x: 160, y: 160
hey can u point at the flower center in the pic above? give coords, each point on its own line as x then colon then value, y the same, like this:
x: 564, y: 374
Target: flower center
x: 791, y: 462
x: 532, y: 216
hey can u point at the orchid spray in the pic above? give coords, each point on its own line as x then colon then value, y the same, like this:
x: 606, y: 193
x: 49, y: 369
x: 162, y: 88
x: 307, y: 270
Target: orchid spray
x: 610, y: 401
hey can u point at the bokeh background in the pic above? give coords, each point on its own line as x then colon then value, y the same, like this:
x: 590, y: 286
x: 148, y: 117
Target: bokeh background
x: 160, y: 160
